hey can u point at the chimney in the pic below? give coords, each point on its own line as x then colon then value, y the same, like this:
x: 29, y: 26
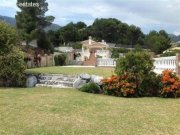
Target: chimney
x: 90, y: 40
x: 103, y: 42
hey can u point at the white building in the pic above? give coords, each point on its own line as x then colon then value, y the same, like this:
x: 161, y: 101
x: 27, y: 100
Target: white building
x: 32, y: 43
x: 64, y: 49
x: 89, y: 47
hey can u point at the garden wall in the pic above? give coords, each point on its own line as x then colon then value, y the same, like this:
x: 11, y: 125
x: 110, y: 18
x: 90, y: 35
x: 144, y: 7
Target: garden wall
x: 46, y: 61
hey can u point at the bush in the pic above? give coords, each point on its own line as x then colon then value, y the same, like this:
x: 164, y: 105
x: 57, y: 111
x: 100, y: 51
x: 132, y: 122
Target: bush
x: 8, y: 38
x: 90, y: 88
x: 119, y: 86
x: 150, y: 85
x: 165, y: 85
x: 134, y: 77
x: 111, y: 86
x: 170, y: 84
x: 56, y: 60
x: 60, y: 60
x: 137, y: 65
x: 170, y: 53
x: 116, y: 51
x: 11, y: 58
x: 12, y: 68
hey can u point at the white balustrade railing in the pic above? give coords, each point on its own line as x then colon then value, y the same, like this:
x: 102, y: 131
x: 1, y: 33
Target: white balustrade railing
x: 164, y: 63
x: 160, y: 64
x: 106, y: 62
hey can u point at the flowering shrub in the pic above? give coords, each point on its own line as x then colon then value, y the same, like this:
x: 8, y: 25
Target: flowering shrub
x: 170, y: 83
x: 112, y: 86
x: 119, y: 86
x: 166, y: 85
x: 128, y: 89
x: 138, y: 65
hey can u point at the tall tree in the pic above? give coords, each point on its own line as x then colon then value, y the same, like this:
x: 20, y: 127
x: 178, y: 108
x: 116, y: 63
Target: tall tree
x: 134, y: 35
x: 32, y: 20
x: 158, y: 41
x: 106, y: 29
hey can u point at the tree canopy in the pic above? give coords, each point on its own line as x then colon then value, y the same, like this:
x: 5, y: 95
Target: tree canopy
x: 113, y: 31
x: 31, y: 21
x: 158, y: 41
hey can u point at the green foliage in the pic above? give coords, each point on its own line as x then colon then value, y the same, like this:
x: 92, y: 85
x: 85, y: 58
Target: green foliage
x: 137, y: 64
x: 165, y: 85
x: 77, y: 45
x: 151, y: 85
x: 43, y: 41
x: 138, y: 48
x: 60, y: 59
x: 56, y: 61
x: 170, y: 53
x: 90, y: 88
x: 116, y: 51
x: 11, y: 58
x: 166, y: 54
x: 12, y: 68
x: 54, y: 38
x: 111, y: 30
x: 72, y: 32
x: 31, y: 20
x: 81, y: 25
x: 106, y: 29
x: 135, y: 35
x: 158, y: 41
x: 8, y: 38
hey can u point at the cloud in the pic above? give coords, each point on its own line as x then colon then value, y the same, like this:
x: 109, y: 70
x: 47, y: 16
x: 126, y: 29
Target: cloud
x: 8, y: 4
x: 147, y: 14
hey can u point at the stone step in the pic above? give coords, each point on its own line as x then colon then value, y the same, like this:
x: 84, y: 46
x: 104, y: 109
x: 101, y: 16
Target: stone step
x: 53, y: 86
x: 57, y: 80
x: 51, y: 82
x: 57, y: 76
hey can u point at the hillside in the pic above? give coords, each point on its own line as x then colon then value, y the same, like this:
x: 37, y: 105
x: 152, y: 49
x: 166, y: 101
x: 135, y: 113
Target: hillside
x: 8, y: 20
x: 12, y: 21
x: 174, y: 38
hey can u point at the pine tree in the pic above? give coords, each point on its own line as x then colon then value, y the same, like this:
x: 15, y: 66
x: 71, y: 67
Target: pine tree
x: 31, y: 20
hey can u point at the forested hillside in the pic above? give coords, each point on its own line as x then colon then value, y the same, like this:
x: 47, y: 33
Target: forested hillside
x: 12, y: 21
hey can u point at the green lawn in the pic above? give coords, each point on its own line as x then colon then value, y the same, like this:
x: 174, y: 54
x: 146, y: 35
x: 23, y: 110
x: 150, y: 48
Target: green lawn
x: 102, y: 71
x: 46, y: 111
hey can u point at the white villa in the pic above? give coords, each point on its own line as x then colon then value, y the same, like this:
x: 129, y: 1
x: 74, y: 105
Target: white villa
x: 91, y: 50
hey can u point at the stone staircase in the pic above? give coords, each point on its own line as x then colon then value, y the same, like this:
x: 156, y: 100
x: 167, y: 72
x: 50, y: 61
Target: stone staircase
x: 91, y: 61
x: 57, y: 80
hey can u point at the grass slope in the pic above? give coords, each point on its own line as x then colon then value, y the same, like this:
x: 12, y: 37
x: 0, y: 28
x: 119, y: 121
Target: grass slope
x: 102, y: 71
x: 46, y: 111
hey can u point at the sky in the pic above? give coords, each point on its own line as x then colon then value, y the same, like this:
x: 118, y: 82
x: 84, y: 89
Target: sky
x: 146, y: 14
